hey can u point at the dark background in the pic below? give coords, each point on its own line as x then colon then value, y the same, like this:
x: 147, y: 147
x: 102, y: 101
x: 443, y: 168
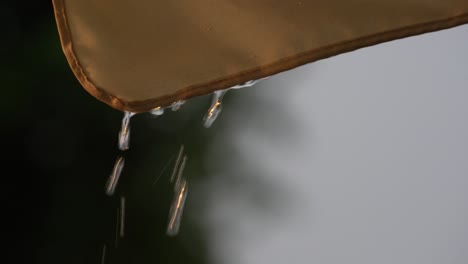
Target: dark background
x: 59, y: 147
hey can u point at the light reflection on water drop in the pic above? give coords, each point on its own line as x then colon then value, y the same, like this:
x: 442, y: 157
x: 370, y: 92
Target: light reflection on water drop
x: 180, y: 174
x: 180, y: 193
x: 176, y: 105
x: 115, y: 175
x: 216, y: 103
x: 124, y: 135
x: 157, y: 111
x: 215, y: 108
x: 176, y: 165
x: 177, y: 208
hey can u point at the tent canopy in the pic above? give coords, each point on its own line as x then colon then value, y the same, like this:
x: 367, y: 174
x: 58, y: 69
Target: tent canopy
x: 138, y: 55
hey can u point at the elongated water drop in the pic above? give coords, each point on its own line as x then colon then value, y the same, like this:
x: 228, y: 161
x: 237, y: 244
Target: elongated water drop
x: 177, y: 208
x: 115, y: 175
x: 180, y: 174
x: 157, y: 111
x: 124, y: 134
x: 216, y: 103
x: 215, y: 108
x: 176, y: 165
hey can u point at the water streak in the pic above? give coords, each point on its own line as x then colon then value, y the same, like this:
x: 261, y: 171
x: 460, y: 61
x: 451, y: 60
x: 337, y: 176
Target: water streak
x: 177, y: 207
x: 122, y: 216
x: 156, y: 179
x: 115, y: 175
x: 117, y: 225
x: 103, y: 258
x: 176, y: 165
x: 124, y: 134
x: 180, y: 174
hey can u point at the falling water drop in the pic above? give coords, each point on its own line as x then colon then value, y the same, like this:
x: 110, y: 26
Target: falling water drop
x: 176, y: 165
x: 157, y: 111
x: 215, y: 108
x: 124, y: 135
x: 177, y: 208
x: 180, y: 174
x: 115, y: 175
x: 180, y: 193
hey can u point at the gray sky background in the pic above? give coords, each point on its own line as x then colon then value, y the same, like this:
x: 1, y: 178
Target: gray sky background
x: 360, y: 158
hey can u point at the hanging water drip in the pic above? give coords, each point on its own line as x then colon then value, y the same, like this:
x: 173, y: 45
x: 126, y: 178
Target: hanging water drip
x: 158, y: 111
x: 176, y: 105
x: 115, y: 175
x: 124, y: 134
x: 215, y: 108
x: 217, y: 101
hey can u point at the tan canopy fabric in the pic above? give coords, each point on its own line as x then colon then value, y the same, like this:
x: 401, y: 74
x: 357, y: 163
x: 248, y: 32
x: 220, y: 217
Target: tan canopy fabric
x: 138, y: 55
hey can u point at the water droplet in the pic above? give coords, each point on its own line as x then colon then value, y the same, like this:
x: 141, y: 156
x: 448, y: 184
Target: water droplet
x: 157, y: 111
x: 176, y: 105
x: 215, y: 108
x: 216, y: 103
x: 124, y: 134
x: 115, y: 175
x: 177, y: 208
